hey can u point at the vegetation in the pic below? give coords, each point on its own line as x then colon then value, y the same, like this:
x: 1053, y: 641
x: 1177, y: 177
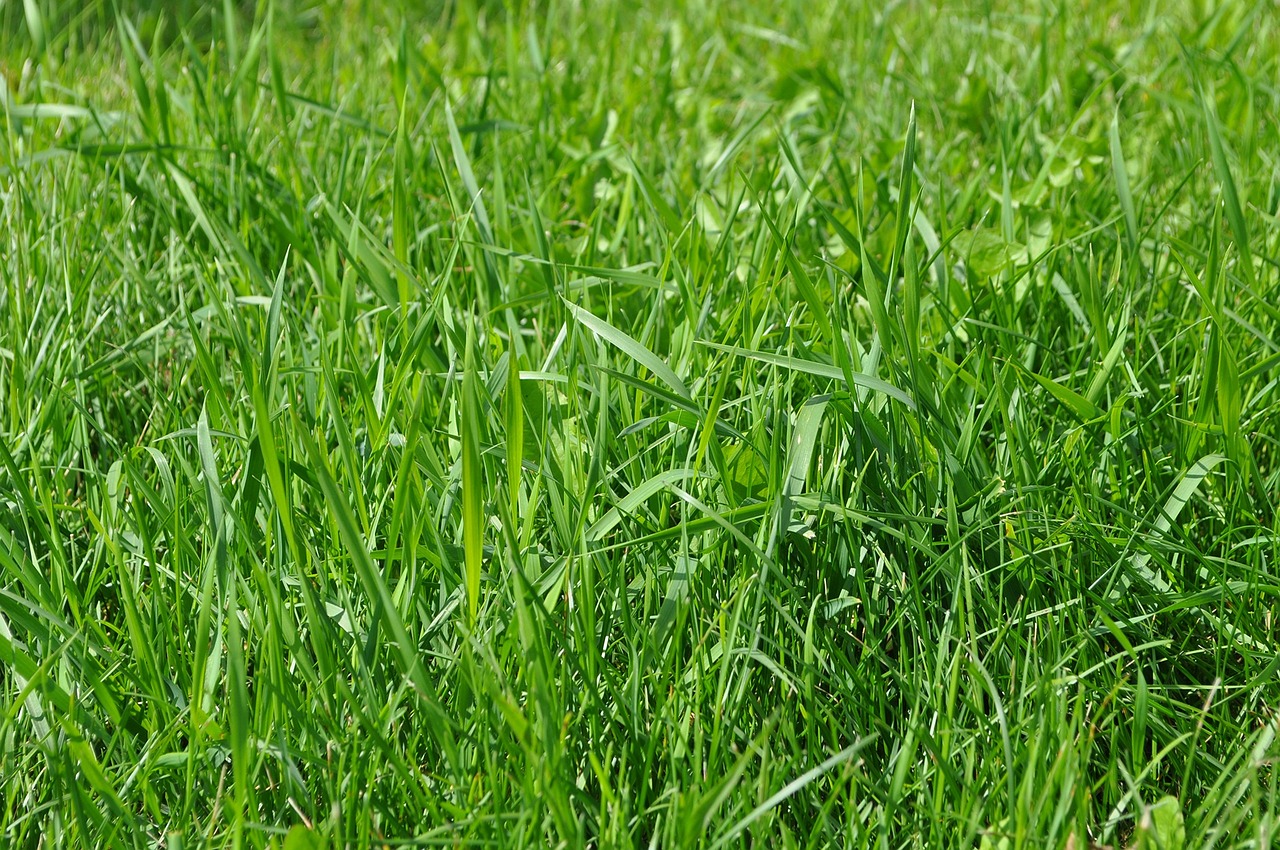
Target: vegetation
x: 814, y: 423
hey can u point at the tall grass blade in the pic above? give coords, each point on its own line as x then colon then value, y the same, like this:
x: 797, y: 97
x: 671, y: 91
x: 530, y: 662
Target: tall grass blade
x: 472, y: 479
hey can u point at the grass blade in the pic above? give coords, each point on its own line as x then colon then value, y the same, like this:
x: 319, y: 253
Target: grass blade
x: 380, y: 597
x: 821, y: 370
x: 1230, y: 198
x: 790, y: 790
x: 1121, y: 174
x: 472, y: 480
x: 630, y: 347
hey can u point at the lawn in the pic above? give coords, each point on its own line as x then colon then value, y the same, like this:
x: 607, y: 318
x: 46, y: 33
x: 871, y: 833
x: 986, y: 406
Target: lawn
x: 600, y: 424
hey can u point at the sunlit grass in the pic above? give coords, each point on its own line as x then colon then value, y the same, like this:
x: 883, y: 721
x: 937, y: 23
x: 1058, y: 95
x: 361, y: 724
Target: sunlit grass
x: 709, y: 425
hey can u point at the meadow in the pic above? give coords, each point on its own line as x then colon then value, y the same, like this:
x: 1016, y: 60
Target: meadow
x: 598, y: 424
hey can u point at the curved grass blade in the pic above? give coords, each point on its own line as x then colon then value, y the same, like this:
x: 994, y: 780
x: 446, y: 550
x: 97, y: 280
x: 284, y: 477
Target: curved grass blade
x: 1084, y: 409
x: 628, y: 346
x: 790, y: 789
x: 821, y: 370
x: 1187, y: 487
x: 633, y: 500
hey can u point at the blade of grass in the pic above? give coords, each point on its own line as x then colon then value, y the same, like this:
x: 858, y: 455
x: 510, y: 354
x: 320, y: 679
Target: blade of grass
x: 629, y: 346
x: 472, y: 480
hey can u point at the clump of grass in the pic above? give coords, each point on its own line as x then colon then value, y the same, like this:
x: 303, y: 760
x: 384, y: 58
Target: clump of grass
x: 599, y: 426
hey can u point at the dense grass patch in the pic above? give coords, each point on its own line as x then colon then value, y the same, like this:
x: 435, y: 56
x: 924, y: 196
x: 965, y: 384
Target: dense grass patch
x: 808, y: 423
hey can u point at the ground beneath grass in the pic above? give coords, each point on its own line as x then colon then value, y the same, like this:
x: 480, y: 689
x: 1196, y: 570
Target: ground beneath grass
x: 584, y: 425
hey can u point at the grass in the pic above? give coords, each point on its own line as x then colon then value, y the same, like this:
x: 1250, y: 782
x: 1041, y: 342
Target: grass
x: 819, y: 424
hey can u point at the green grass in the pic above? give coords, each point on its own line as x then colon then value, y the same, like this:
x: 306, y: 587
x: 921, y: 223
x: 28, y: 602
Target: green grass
x: 804, y: 424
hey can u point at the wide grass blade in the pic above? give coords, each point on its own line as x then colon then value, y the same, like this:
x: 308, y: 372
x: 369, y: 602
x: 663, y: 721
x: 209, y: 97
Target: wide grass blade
x: 630, y: 347
x: 821, y: 370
